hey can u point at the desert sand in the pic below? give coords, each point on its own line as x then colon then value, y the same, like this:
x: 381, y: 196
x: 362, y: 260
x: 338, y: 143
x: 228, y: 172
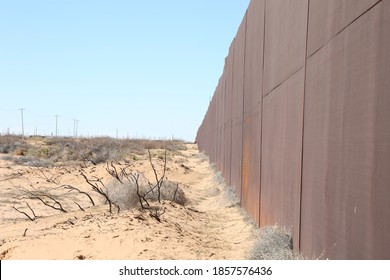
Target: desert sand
x: 209, y: 226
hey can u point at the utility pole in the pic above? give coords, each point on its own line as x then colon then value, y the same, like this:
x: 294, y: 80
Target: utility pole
x: 74, y: 128
x: 75, y: 124
x: 56, y: 125
x: 21, y: 111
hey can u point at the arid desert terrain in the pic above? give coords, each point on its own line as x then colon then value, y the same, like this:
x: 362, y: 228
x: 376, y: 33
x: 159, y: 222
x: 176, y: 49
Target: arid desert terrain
x: 47, y: 195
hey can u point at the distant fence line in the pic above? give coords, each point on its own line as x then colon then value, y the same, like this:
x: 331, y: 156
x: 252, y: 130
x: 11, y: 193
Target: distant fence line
x: 299, y: 123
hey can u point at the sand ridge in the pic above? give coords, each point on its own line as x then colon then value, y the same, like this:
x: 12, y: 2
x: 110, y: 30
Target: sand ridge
x: 209, y: 227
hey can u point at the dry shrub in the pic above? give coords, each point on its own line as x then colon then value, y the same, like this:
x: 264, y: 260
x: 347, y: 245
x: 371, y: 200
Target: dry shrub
x: 10, y: 143
x: 124, y: 194
x: 43, y: 152
x: 273, y: 243
x: 20, y: 151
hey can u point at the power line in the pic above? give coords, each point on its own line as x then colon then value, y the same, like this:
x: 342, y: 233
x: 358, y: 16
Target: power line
x: 8, y: 110
x: 36, y: 121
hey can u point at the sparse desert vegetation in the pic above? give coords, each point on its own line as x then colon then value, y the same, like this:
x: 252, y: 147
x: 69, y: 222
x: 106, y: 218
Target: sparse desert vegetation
x: 35, y: 150
x: 64, y: 198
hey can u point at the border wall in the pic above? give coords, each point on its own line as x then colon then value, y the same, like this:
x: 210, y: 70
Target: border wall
x: 299, y: 123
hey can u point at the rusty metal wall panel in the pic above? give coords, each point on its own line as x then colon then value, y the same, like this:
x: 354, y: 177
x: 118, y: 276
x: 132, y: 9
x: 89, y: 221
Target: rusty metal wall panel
x: 199, y: 137
x: 215, y: 124
x: 206, y: 131
x: 236, y: 158
x: 252, y: 109
x: 251, y: 164
x: 238, y: 107
x: 218, y: 124
x: 285, y: 40
x: 254, y: 57
x: 329, y: 17
x: 212, y: 128
x: 221, y: 105
x: 282, y: 155
x: 228, y: 114
x: 346, y: 163
x: 227, y: 154
x: 221, y: 124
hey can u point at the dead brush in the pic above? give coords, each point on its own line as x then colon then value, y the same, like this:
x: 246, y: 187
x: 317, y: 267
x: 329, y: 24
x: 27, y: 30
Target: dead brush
x: 126, y: 189
x: 273, y: 243
x: 130, y: 189
x: 124, y: 193
x: 12, y: 144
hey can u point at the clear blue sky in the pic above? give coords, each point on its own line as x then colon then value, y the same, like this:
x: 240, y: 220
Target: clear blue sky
x: 142, y: 68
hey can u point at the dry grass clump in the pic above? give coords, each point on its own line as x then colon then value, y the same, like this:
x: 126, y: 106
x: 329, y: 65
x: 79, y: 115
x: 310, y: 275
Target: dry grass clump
x: 121, y: 194
x: 229, y: 193
x: 124, y: 193
x: 273, y: 243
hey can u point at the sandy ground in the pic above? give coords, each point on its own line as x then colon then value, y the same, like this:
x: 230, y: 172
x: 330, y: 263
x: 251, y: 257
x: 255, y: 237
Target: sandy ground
x: 210, y: 226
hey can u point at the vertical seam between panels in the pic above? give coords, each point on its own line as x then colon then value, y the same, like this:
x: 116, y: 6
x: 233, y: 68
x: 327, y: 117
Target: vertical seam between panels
x: 243, y: 108
x: 262, y: 107
x: 303, y: 129
x: 231, y: 114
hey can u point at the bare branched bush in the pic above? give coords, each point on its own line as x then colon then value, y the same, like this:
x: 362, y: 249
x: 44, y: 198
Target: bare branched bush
x: 31, y: 216
x: 129, y: 189
x: 170, y: 191
x: 51, y: 193
x: 99, y: 187
x: 45, y: 197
